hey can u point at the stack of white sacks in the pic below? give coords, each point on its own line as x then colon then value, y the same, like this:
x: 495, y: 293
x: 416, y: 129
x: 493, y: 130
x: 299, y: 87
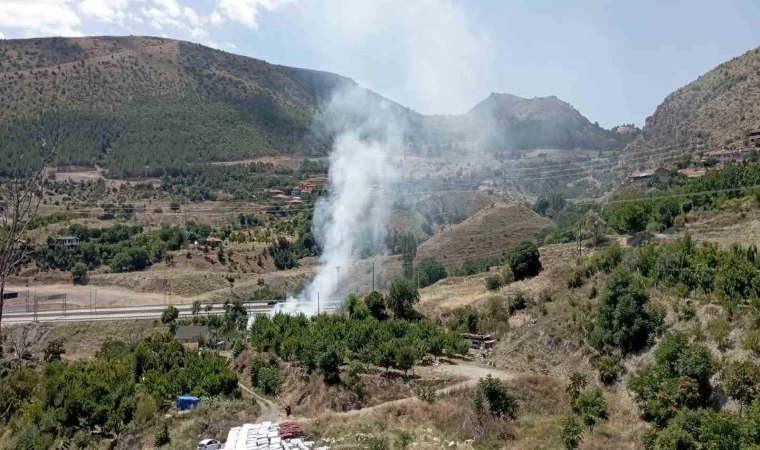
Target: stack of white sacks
x: 262, y: 436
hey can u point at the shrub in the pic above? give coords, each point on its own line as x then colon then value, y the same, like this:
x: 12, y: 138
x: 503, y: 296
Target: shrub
x: 493, y: 282
x: 506, y: 276
x: 523, y: 260
x: 464, y: 320
x: 376, y: 305
x: 238, y: 347
x: 430, y: 271
x: 265, y: 376
x: 402, y: 297
x: 576, y: 278
x: 578, y: 383
x: 329, y: 364
x: 622, y: 320
x: 169, y: 315
x: 378, y: 443
x: 425, y: 391
x: 404, y: 439
x: 591, y: 407
x: 678, y: 377
x: 751, y: 342
x: 162, y: 435
x: 79, y: 273
x: 609, y: 367
x: 608, y: 259
x: 740, y: 381
x: 718, y: 329
x: 53, y: 350
x: 572, y: 432
x: 518, y: 301
x: 501, y: 403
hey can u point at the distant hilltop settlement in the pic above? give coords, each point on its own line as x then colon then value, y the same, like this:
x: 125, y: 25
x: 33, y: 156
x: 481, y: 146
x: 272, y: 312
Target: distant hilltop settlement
x: 712, y: 160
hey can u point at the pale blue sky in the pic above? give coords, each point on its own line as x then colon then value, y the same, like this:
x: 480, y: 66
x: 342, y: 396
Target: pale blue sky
x: 614, y: 61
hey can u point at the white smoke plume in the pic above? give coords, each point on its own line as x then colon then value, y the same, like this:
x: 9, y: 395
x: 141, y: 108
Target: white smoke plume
x: 360, y: 178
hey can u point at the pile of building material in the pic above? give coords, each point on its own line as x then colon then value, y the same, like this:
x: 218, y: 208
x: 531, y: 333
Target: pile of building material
x: 267, y: 436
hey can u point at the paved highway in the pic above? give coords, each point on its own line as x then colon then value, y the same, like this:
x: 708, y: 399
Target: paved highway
x: 131, y: 312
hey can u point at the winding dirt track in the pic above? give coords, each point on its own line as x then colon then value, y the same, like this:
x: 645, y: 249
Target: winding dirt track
x: 465, y: 369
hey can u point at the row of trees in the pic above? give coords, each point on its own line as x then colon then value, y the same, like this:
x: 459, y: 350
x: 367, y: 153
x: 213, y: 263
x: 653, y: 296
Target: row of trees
x: 121, y: 247
x: 325, y: 342
x: 120, y: 388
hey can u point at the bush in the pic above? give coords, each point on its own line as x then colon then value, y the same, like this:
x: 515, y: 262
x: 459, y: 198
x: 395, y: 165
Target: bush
x: 608, y: 259
x: 740, y: 381
x: 53, y: 350
x: 524, y: 260
x: 329, y: 364
x: 718, y: 329
x: 402, y: 297
x: 679, y: 377
x: 591, y: 407
x: 79, y: 273
x: 622, y: 320
x: 265, y: 376
x: 506, y: 276
x: 429, y: 271
x: 376, y: 305
x: 169, y: 315
x: 576, y: 278
x: 425, y: 391
x: 609, y: 367
x: 572, y: 432
x: 518, y: 301
x: 501, y: 403
x: 493, y: 282
x: 751, y: 342
x: 464, y: 320
x: 162, y: 435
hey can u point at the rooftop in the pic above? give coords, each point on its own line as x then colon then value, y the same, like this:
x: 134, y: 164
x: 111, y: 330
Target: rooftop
x: 190, y: 332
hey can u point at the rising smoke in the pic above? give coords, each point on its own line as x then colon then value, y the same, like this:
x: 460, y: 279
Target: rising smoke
x: 361, y: 176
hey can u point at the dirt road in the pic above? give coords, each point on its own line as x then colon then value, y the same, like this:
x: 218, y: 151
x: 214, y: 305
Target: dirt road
x: 468, y: 370
x: 269, y: 409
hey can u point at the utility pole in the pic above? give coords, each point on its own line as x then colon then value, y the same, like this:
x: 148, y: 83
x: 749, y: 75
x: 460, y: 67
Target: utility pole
x: 373, y: 275
x: 317, y: 303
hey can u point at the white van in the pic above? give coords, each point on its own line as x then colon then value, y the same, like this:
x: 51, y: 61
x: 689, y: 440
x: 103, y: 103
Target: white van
x: 209, y: 444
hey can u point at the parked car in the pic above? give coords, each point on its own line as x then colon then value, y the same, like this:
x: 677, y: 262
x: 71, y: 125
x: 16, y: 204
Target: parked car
x: 209, y: 444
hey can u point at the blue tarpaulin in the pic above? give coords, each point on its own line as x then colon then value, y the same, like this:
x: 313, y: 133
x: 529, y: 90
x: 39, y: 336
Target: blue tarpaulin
x: 185, y: 402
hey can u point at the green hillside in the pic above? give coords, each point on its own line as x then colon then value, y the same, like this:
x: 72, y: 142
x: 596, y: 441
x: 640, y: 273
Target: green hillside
x: 144, y: 106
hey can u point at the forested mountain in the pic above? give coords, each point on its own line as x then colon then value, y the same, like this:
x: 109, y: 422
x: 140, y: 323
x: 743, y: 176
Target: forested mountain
x: 505, y: 123
x: 718, y: 109
x: 144, y: 106
x: 140, y: 106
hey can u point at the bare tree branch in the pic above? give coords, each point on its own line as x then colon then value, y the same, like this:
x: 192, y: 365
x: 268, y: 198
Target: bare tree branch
x: 22, y: 195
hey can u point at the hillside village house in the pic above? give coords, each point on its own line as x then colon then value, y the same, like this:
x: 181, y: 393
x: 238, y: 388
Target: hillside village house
x: 724, y: 156
x: 67, y: 242
x: 692, y: 173
x: 213, y: 242
x: 192, y: 336
x: 306, y: 187
x: 280, y: 198
x: 662, y: 174
x: 479, y: 341
x: 754, y: 138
